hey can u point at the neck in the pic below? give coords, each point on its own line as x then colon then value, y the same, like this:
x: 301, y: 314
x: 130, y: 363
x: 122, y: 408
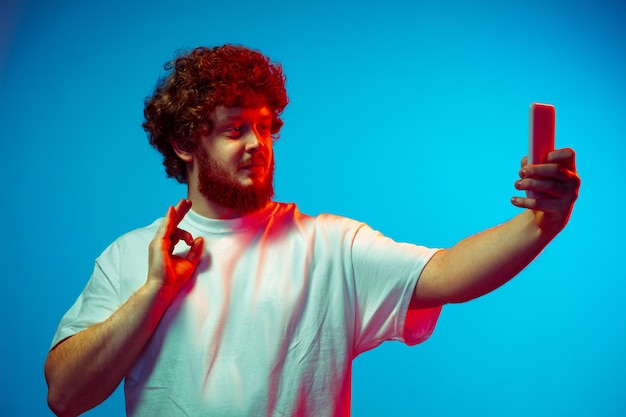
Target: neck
x: 210, y: 209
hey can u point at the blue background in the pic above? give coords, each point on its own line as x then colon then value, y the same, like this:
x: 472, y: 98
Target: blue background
x: 408, y: 115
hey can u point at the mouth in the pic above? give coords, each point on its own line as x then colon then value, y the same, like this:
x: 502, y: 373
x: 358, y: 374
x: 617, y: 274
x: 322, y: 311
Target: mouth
x: 251, y: 167
x: 253, y: 164
x: 254, y: 169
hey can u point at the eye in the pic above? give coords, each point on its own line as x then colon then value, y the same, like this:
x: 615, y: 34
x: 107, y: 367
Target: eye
x: 264, y: 129
x: 233, y: 132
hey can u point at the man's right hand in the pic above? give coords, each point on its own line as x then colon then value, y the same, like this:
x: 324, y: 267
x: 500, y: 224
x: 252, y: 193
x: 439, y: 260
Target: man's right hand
x: 168, y: 271
x: 84, y: 369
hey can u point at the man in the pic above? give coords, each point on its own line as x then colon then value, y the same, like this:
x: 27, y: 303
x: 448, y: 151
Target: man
x: 245, y: 306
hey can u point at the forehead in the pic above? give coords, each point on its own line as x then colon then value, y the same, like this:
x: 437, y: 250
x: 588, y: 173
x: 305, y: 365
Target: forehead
x: 222, y: 114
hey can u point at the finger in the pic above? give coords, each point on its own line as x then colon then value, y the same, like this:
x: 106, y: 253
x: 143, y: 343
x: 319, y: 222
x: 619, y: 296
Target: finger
x: 524, y: 161
x: 546, y: 187
x: 166, y: 228
x: 181, y: 209
x: 565, y: 157
x: 561, y: 183
x: 165, y: 231
x: 547, y: 205
x: 180, y: 234
x: 548, y: 170
x: 168, y: 233
x: 195, y: 253
x: 161, y: 242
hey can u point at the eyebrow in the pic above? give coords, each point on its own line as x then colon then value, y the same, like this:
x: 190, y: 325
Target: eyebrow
x: 237, y: 117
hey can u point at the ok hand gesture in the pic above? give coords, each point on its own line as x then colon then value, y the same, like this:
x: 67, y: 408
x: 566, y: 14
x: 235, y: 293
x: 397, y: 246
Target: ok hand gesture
x: 171, y: 272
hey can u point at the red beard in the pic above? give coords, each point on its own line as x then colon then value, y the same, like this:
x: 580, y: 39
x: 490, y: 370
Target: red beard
x: 218, y: 186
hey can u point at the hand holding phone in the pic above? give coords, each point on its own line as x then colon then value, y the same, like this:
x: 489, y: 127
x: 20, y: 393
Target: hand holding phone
x: 542, y: 121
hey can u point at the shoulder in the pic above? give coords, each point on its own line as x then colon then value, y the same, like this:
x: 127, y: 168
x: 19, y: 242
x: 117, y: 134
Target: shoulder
x: 334, y: 224
x: 332, y: 227
x: 291, y: 210
x: 132, y: 241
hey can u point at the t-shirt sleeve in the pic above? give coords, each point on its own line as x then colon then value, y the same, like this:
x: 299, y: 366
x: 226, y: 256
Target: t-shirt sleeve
x: 99, y: 299
x: 385, y: 275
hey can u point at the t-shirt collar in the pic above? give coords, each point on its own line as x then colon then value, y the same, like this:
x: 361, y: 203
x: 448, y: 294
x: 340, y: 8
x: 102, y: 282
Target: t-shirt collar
x: 238, y: 224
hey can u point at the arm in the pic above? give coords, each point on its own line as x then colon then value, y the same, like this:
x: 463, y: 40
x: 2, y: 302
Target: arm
x: 484, y: 262
x: 83, y: 370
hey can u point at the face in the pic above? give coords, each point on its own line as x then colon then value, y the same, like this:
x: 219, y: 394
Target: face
x: 235, y: 160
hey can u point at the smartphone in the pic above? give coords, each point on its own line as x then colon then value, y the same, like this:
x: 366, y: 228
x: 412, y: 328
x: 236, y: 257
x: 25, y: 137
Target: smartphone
x: 542, y: 122
x: 542, y: 119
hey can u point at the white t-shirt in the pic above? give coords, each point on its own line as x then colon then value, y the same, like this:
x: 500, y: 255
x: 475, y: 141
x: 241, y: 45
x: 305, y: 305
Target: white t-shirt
x: 280, y: 305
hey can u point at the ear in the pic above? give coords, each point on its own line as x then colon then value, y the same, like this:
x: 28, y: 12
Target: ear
x: 182, y: 151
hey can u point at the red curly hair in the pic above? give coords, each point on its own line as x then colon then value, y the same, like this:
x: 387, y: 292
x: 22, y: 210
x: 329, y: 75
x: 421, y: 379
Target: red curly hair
x: 196, y: 83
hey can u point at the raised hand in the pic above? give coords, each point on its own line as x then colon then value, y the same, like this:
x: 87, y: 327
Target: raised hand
x: 171, y: 272
x: 556, y: 183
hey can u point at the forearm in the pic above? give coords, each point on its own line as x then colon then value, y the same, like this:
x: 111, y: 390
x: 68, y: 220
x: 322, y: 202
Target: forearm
x: 83, y: 370
x: 483, y: 262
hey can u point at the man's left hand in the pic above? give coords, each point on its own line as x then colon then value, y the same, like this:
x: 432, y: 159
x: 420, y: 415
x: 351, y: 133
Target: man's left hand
x: 555, y: 183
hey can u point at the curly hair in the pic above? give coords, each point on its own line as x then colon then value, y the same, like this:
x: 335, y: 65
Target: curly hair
x: 196, y: 83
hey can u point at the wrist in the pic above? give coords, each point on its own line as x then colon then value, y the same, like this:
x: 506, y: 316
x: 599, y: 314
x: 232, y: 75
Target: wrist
x: 540, y: 228
x: 159, y: 294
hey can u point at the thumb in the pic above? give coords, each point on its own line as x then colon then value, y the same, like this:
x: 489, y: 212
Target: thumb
x: 195, y: 252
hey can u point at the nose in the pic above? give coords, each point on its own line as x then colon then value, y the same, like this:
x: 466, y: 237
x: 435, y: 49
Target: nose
x: 254, y: 141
